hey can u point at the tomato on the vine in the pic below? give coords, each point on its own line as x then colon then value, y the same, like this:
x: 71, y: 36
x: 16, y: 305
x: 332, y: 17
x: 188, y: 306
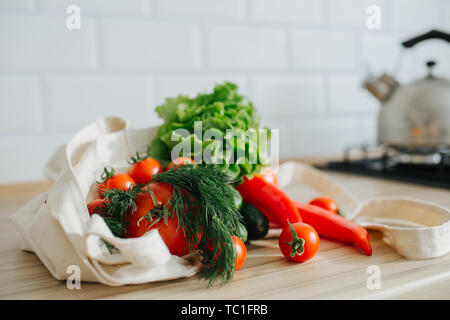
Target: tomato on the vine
x: 178, y: 162
x: 139, y: 222
x: 325, y: 203
x: 299, y: 242
x: 143, y: 170
x: 111, y: 180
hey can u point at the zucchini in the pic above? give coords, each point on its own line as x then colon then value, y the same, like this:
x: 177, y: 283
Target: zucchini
x: 255, y: 221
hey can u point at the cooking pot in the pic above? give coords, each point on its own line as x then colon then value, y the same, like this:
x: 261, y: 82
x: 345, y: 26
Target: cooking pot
x: 414, y: 116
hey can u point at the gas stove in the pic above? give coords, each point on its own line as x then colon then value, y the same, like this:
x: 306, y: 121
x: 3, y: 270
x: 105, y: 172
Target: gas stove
x: 426, y: 166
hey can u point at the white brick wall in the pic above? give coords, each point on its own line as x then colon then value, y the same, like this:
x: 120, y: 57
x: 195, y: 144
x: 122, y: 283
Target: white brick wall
x: 136, y: 45
x: 20, y: 104
x: 246, y: 48
x: 323, y: 50
x: 98, y: 7
x: 352, y: 13
x: 71, y: 102
x: 17, y: 5
x: 300, y: 61
x: 200, y: 9
x: 293, y: 11
x: 420, y: 15
x: 43, y: 43
x: 288, y: 96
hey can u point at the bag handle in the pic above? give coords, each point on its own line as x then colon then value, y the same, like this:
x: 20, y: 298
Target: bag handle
x: 416, y: 229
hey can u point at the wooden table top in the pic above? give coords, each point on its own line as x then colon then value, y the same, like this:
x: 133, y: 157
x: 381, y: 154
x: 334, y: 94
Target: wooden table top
x: 336, y: 272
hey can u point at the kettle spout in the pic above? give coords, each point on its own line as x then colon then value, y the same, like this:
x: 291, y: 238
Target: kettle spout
x: 381, y: 87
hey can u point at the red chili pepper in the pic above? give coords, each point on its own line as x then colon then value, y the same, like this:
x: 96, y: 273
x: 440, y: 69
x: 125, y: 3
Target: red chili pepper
x: 270, y: 200
x: 330, y: 225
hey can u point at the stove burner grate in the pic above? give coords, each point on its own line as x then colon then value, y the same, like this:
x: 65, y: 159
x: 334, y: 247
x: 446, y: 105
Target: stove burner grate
x: 431, y: 169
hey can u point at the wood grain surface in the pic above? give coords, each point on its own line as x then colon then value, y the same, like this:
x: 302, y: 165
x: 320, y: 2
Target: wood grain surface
x: 336, y: 272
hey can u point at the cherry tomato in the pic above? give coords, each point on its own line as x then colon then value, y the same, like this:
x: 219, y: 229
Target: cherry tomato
x: 118, y: 181
x: 269, y: 176
x: 325, y: 203
x: 241, y: 252
x: 144, y: 170
x: 298, y: 242
x: 171, y: 233
x: 96, y: 206
x: 173, y: 237
x: 240, y: 249
x: 137, y: 225
x: 178, y: 162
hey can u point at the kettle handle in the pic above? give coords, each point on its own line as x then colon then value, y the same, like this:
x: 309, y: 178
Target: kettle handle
x: 433, y: 34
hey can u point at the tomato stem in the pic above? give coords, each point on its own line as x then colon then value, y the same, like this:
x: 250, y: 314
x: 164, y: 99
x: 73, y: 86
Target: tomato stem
x: 108, y: 172
x: 297, y: 244
x: 137, y: 159
x: 159, y: 211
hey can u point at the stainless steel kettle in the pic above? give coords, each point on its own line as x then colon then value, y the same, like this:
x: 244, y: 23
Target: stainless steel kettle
x: 414, y: 116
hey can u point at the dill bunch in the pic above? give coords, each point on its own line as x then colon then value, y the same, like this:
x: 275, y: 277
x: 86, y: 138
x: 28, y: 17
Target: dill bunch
x: 204, y: 205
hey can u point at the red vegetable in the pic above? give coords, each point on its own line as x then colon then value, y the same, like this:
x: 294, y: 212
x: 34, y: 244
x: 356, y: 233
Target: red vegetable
x: 325, y: 203
x: 239, y: 248
x: 139, y: 224
x: 96, y: 206
x: 270, y: 200
x: 335, y: 227
x: 269, y: 176
x: 143, y: 170
x: 178, y: 162
x: 241, y: 252
x: 114, y: 181
x: 299, y: 242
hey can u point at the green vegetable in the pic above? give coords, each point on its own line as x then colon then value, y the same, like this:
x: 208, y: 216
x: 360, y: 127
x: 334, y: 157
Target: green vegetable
x: 233, y: 139
x: 255, y: 221
x: 242, y: 233
x: 204, y: 190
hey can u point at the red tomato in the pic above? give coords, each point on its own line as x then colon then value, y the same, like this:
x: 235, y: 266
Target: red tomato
x: 137, y: 226
x: 173, y: 237
x: 118, y: 181
x: 299, y: 242
x: 325, y: 203
x: 96, y: 206
x: 144, y: 170
x: 178, y: 162
x: 269, y: 176
x: 241, y: 252
x: 240, y: 249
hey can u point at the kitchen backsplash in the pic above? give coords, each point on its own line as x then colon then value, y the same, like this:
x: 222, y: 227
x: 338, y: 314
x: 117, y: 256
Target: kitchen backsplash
x: 300, y: 61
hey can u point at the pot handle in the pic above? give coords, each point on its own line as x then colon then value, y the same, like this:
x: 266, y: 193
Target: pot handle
x: 433, y: 34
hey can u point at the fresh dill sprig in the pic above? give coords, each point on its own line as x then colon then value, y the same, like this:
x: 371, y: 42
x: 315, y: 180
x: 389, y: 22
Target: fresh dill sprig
x: 117, y: 205
x: 204, y: 205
